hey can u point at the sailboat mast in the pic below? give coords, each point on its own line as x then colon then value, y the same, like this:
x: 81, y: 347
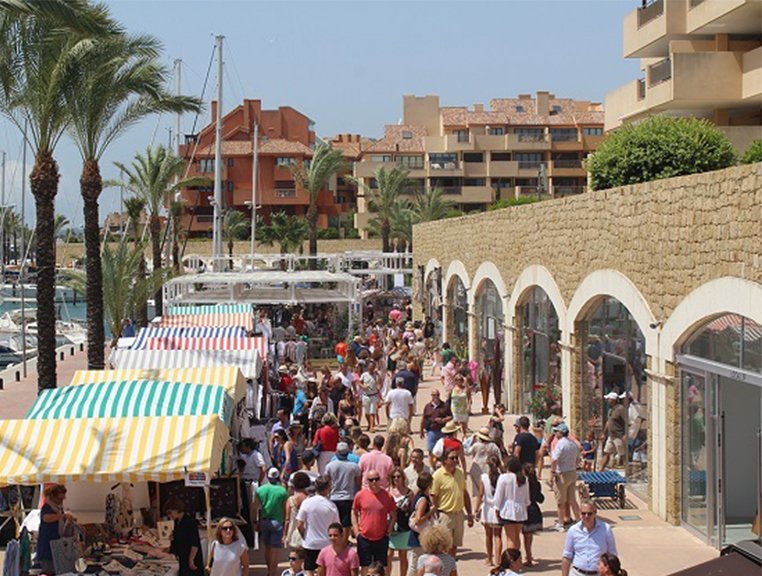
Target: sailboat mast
x: 22, y: 267
x: 254, y: 175
x: 217, y: 224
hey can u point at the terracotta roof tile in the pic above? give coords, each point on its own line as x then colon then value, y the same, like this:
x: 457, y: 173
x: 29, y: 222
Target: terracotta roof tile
x: 279, y: 146
x: 503, y: 111
x: 394, y: 139
x: 229, y: 148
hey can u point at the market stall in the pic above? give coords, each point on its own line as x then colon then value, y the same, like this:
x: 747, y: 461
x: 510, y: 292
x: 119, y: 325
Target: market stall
x: 248, y: 361
x: 214, y: 319
x: 189, y: 309
x: 188, y: 343
x: 186, y: 332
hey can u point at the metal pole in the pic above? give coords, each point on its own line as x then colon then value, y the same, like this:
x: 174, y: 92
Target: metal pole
x: 121, y: 203
x: 254, y: 174
x: 23, y: 255
x: 179, y: 115
x: 217, y: 224
x: 2, y: 224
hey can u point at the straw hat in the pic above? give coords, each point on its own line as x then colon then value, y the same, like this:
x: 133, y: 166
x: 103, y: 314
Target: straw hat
x: 450, y: 428
x: 483, y: 434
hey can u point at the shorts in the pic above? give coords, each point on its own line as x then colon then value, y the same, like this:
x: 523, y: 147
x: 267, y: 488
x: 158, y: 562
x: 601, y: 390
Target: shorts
x: 272, y: 533
x: 310, y: 559
x: 566, y: 483
x: 370, y: 404
x: 614, y: 445
x: 399, y: 541
x: 432, y: 437
x: 371, y: 551
x: 345, y: 512
x: 454, y: 521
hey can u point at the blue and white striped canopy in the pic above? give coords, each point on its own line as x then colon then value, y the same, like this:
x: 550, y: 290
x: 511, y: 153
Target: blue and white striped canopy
x: 186, y: 332
x: 185, y: 309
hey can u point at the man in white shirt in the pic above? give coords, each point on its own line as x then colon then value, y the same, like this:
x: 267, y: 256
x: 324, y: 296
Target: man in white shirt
x: 399, y: 402
x: 563, y: 471
x: 315, y: 515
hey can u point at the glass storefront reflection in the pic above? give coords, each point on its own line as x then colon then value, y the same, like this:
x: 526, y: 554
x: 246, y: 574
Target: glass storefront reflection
x: 458, y: 300
x: 491, y: 338
x: 540, y: 355
x: 614, y: 387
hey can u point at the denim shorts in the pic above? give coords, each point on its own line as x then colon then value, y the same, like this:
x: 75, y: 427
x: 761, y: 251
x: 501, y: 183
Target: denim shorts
x: 272, y: 532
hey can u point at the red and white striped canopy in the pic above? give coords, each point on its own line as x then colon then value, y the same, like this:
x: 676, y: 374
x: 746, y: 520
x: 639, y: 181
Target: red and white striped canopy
x: 211, y: 319
x: 202, y: 343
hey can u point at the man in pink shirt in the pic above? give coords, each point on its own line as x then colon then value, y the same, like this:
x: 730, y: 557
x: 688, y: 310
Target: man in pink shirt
x: 376, y: 461
x: 337, y: 559
x: 449, y: 371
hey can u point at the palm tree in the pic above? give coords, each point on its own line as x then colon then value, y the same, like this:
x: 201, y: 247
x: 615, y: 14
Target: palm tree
x: 40, y: 56
x: 235, y: 225
x: 122, y: 83
x: 401, y: 220
x: 314, y: 177
x: 152, y: 177
x: 390, y: 185
x: 134, y: 207
x: 430, y: 205
x: 289, y: 232
x: 121, y: 296
x: 59, y: 224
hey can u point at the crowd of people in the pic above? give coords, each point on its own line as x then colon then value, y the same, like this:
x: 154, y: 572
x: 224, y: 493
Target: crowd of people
x: 345, y: 499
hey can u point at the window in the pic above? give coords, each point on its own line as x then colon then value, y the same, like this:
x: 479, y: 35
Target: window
x: 285, y: 192
x: 443, y: 161
x: 461, y: 135
x: 410, y: 161
x: 530, y: 134
x: 230, y: 185
x: 381, y: 158
x: 230, y: 162
x: 473, y: 157
x: 529, y: 159
x: 474, y: 182
x: 206, y: 164
x: 592, y: 131
x: 497, y: 131
x: 407, y: 135
x: 555, y: 109
x: 563, y: 134
x: 285, y: 161
x: 519, y: 108
x: 500, y: 156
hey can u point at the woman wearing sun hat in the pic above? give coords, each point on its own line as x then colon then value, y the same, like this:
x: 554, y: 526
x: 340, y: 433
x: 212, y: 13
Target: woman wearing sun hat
x: 481, y: 448
x: 449, y: 441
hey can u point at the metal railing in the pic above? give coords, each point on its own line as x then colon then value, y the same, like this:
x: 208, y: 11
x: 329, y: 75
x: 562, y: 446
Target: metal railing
x: 285, y: 192
x: 567, y: 163
x: 564, y: 137
x: 650, y: 11
x: 451, y: 190
x: 530, y: 164
x: 531, y: 137
x: 454, y: 165
x: 560, y: 191
x: 641, y: 89
x: 659, y: 72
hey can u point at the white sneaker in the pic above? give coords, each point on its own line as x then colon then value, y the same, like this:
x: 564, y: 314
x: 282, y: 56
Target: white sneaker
x: 558, y: 527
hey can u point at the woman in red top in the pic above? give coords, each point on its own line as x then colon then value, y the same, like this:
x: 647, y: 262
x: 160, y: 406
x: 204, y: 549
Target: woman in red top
x: 328, y: 437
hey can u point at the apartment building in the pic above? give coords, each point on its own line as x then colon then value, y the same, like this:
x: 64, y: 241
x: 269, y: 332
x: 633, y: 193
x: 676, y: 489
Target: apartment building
x: 285, y: 137
x: 519, y: 146
x: 699, y: 58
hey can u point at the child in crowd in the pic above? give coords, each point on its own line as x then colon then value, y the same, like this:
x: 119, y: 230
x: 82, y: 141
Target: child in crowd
x: 295, y: 563
x: 589, y: 450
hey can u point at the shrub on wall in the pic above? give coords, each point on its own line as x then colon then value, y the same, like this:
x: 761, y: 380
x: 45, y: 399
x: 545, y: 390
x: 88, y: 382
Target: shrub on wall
x: 658, y: 147
x: 753, y: 153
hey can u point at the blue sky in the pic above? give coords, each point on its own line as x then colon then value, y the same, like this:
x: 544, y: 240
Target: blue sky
x: 346, y: 64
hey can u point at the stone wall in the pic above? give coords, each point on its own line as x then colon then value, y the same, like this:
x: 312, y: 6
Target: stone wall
x: 668, y: 236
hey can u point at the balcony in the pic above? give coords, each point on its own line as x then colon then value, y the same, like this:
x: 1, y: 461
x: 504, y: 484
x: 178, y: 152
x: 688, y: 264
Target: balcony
x: 752, y: 75
x: 284, y: 192
x: 561, y: 191
x: 725, y: 16
x: 641, y: 88
x: 367, y: 168
x: 475, y: 169
x: 567, y: 163
x: 566, y: 168
x: 659, y: 72
x: 447, y: 143
x: 477, y: 194
x: 648, y: 30
x: 443, y: 169
x: 509, y: 169
x: 564, y: 137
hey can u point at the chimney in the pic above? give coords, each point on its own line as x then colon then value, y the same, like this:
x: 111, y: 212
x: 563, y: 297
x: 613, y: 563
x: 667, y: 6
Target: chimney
x: 543, y: 103
x: 214, y: 111
x: 478, y: 107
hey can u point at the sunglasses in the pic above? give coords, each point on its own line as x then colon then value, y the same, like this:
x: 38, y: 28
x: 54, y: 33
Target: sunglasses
x: 374, y: 479
x: 293, y: 558
x: 227, y: 528
x: 587, y: 513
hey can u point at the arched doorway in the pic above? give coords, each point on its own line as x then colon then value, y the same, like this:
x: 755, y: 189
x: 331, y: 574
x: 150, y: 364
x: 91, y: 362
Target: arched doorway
x: 540, y: 356
x: 432, y: 295
x: 457, y: 300
x: 491, y: 329
x: 614, y: 390
x: 721, y: 409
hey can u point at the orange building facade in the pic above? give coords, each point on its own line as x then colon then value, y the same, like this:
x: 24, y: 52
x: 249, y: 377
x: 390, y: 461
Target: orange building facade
x: 286, y: 137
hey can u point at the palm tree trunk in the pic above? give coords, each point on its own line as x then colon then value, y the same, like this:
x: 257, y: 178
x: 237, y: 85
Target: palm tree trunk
x: 141, y: 312
x: 312, y: 217
x: 90, y: 186
x: 230, y: 255
x: 156, y: 247
x: 44, y: 185
x: 176, y: 254
x: 385, y: 233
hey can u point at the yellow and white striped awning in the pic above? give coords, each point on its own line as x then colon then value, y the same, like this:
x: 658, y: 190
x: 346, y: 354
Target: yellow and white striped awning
x: 229, y: 377
x: 158, y: 449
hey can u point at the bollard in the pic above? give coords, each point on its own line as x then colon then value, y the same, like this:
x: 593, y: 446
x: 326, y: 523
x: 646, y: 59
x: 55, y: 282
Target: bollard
x: 2, y: 383
x: 18, y: 376
x: 81, y: 346
x: 61, y: 356
x: 71, y: 351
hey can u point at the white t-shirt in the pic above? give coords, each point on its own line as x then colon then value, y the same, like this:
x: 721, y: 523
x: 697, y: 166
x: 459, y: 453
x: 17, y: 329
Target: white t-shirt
x: 254, y: 463
x: 227, y: 557
x: 317, y: 513
x: 400, y: 400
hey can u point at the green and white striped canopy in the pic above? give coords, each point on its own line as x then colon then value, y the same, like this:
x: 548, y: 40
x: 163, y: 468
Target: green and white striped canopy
x: 133, y: 398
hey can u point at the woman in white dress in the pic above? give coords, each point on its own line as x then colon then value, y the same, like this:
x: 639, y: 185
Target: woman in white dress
x: 228, y: 553
x: 511, y: 500
x: 487, y: 513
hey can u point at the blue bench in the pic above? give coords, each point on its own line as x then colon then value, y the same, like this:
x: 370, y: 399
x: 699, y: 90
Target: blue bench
x: 605, y: 485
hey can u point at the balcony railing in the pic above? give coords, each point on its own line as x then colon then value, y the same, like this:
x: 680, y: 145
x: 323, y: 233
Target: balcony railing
x: 526, y: 190
x: 530, y: 164
x: 531, y: 137
x: 650, y: 11
x: 659, y: 72
x: 564, y: 137
x: 567, y: 163
x: 451, y: 190
x: 559, y: 191
x: 444, y: 165
x: 285, y: 192
x: 641, y: 89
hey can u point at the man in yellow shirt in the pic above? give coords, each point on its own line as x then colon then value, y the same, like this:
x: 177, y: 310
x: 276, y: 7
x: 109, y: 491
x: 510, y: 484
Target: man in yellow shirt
x: 451, y: 497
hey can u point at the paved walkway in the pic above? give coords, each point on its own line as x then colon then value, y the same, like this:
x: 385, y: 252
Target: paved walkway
x: 647, y: 545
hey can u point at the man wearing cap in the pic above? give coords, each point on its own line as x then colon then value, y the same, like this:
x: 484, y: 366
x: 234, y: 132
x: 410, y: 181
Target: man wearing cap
x: 615, y: 427
x: 270, y: 503
x: 345, y: 482
x: 563, y: 472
